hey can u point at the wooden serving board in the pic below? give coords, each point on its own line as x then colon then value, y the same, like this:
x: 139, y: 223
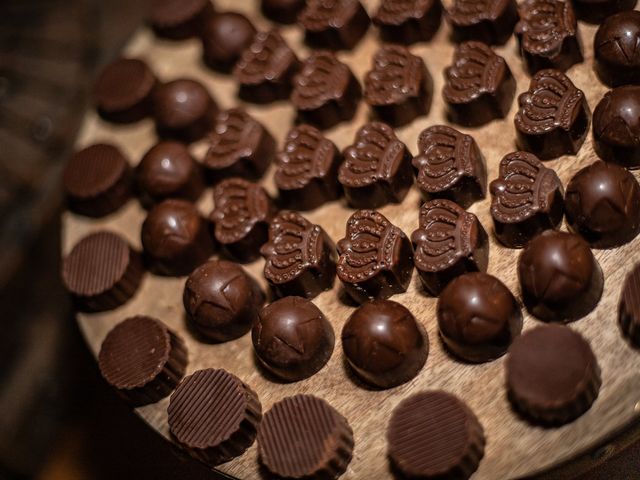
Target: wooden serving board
x: 514, y: 448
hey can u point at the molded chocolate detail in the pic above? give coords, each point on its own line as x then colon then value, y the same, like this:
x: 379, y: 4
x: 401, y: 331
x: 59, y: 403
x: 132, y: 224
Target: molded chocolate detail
x: 179, y: 19
x: 334, y: 24
x: 629, y: 307
x: 408, y: 21
x: 487, y: 21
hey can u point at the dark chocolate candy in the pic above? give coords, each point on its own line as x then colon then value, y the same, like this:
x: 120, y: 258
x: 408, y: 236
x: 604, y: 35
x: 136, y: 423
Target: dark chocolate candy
x: 559, y: 277
x: 399, y: 87
x: 222, y: 300
x: 478, y: 317
x: 450, y: 166
x: 553, y: 376
x: 595, y: 11
x: 179, y: 19
x: 142, y: 359
x: 448, y: 243
x: 214, y: 416
x: 282, y: 11
x: 629, y: 307
x: 384, y: 344
x: 617, y: 59
x: 479, y: 86
x: 376, y: 258
x: 603, y: 205
x: 300, y: 258
x: 527, y: 198
x: 292, y: 338
x: 408, y: 21
x: 97, y: 180
x: 307, y: 169
x: 325, y: 91
x: 376, y: 168
x: 488, y: 21
x: 548, y: 35
x: 333, y: 24
x: 225, y: 36
x: 554, y: 116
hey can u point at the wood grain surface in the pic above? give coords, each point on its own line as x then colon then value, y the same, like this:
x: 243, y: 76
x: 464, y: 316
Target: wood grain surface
x: 514, y: 448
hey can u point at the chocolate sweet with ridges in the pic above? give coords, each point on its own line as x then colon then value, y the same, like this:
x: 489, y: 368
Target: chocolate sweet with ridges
x: 399, y: 87
x: 142, y: 359
x: 488, y: 21
x: 408, y: 21
x: 307, y: 169
x: 552, y: 375
x: 629, y: 307
x: 617, y: 58
x: 448, y: 243
x: 376, y: 168
x: 376, y: 258
x: 333, y: 24
x: 214, y: 416
x: 548, y: 35
x: 282, y: 11
x: 527, y: 198
x: 300, y: 258
x: 179, y: 19
x: 554, y: 116
x: 595, y: 11
x: 325, y: 91
x: 224, y: 37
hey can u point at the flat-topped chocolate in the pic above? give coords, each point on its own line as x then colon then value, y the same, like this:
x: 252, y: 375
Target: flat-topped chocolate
x: 408, y: 21
x: 629, y: 307
x: 488, y: 21
x: 333, y: 24
x: 595, y: 11
x: 179, y: 19
x: 282, y: 11
x: 224, y: 37
x: 617, y: 59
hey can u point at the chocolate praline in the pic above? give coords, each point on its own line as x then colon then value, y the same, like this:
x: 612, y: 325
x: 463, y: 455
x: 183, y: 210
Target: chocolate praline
x: 616, y: 56
x: 333, y: 24
x: 408, y: 21
x: 595, y: 11
x: 488, y: 21
x: 224, y: 37
x: 629, y: 307
x: 179, y: 19
x: 282, y: 11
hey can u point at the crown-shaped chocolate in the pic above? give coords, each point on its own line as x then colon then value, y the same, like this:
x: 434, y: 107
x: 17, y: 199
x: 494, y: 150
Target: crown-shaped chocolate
x: 396, y: 76
x: 469, y: 12
x: 235, y: 135
x: 544, y: 25
x: 321, y: 79
x: 268, y: 58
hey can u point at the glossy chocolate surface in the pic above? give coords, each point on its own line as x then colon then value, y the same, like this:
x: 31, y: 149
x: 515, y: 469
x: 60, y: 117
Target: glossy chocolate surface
x: 333, y: 24
x: 595, y: 11
x: 629, y: 307
x: 225, y: 36
x: 488, y: 21
x: 282, y: 11
x: 179, y: 19
x: 408, y: 21
x: 617, y: 59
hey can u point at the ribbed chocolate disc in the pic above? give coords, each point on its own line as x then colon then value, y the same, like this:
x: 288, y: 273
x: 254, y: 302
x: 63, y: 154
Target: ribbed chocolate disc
x: 122, y: 84
x: 94, y: 170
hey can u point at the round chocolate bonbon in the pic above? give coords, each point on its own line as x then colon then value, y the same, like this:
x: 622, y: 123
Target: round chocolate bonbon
x: 408, y: 21
x: 225, y: 36
x: 616, y: 56
x: 179, y: 19
x: 629, y: 307
x: 333, y: 24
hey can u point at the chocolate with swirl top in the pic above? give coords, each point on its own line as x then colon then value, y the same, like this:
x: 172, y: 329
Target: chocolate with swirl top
x: 408, y: 21
x: 488, y: 21
x: 527, y: 199
x: 334, y: 24
x: 376, y: 258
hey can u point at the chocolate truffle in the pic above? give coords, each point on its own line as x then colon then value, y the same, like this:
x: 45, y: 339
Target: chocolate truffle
x: 142, y: 359
x: 168, y: 170
x: 179, y: 19
x: 603, y: 205
x: 325, y: 92
x: 222, y: 300
x: 450, y: 165
x: 243, y: 211
x: 300, y: 258
x: 282, y: 11
x: 122, y: 92
x: 224, y: 37
x: 559, y: 277
x: 307, y: 169
x: 399, y: 87
x: 434, y: 434
x: 552, y: 375
x: 101, y: 272
x: 376, y: 258
x: 333, y: 24
x: 527, y: 198
x: 629, y: 307
x: 408, y: 21
x: 448, y: 243
x: 292, y: 338
x: 487, y: 21
x: 548, y: 35
x: 595, y: 11
x: 478, y: 317
x: 214, y: 416
x: 616, y: 127
x: 479, y: 86
x: 384, y: 344
x: 183, y: 109
x: 97, y: 180
x: 617, y: 60
x: 304, y: 437
x: 376, y: 168
x: 239, y: 145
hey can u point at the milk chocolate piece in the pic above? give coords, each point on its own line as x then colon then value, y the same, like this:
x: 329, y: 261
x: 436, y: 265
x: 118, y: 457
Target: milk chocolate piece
x: 487, y: 21
x: 548, y: 35
x: 384, y: 344
x: 239, y: 146
x: 527, y: 198
x: 243, y: 211
x: 179, y: 19
x: 617, y: 59
x: 300, y: 258
x: 450, y: 166
x: 265, y: 69
x: 554, y: 116
x: 399, y: 87
x: 292, y: 338
x: 557, y: 386
x: 282, y: 11
x: 304, y: 437
x: 222, y: 300
x: 408, y: 21
x: 225, y: 36
x: 307, y: 169
x: 479, y: 86
x: 433, y: 434
x: 376, y: 258
x: 603, y: 205
x: 448, y: 243
x: 325, y: 92
x: 102, y: 272
x: 376, y: 168
x: 214, y: 416
x: 595, y: 11
x: 142, y: 359
x: 629, y: 307
x: 333, y: 24
x: 97, y: 180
